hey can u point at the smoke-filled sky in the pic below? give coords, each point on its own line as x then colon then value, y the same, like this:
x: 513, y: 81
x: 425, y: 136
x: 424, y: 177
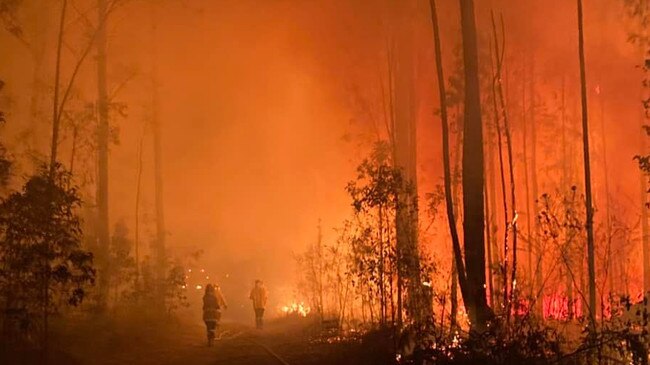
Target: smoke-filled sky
x: 268, y: 105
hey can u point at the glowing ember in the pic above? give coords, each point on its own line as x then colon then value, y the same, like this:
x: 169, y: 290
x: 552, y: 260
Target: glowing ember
x: 296, y: 308
x: 199, y: 287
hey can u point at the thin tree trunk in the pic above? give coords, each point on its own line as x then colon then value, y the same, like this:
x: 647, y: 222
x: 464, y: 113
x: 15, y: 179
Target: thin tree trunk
x: 488, y: 240
x: 102, y: 144
x: 565, y: 185
x: 458, y: 216
x: 382, y: 294
x: 539, y: 267
x: 608, y: 215
x: 160, y: 248
x: 73, y: 151
x: 458, y: 266
x: 491, y: 200
x: 36, y: 98
x: 137, y: 213
x: 319, y: 252
x: 55, y: 104
x: 506, y: 218
x: 587, y: 170
x: 506, y: 125
x: 529, y: 210
x: 643, y: 183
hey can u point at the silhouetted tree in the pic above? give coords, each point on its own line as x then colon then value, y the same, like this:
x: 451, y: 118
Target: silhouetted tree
x: 589, y: 224
x: 103, y: 234
x: 43, y: 265
x: 473, y: 177
x: 459, y: 265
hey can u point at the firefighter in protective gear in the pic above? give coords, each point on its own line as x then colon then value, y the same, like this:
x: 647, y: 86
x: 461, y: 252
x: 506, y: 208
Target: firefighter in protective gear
x: 259, y: 296
x: 213, y: 303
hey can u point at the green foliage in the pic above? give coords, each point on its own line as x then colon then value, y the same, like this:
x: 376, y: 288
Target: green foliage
x: 42, y: 265
x: 122, y: 269
x: 174, y: 289
x: 378, y: 183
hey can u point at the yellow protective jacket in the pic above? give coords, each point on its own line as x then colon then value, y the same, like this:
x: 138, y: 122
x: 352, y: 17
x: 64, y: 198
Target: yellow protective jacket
x: 259, y: 297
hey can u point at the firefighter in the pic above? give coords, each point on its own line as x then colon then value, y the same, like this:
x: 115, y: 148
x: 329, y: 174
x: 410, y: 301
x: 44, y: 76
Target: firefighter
x: 259, y: 296
x: 213, y: 303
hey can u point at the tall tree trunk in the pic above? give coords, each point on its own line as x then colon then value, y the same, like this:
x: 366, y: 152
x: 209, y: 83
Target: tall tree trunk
x: 137, y: 212
x: 488, y: 238
x: 587, y: 170
x: 539, y: 266
x: 458, y: 267
x: 458, y: 216
x: 491, y: 200
x: 102, y: 156
x: 445, y: 150
x: 73, y: 150
x: 55, y: 103
x: 506, y: 219
x: 529, y: 210
x: 610, y: 265
x: 565, y: 183
x: 405, y: 160
x: 160, y: 248
x: 320, y: 258
x: 473, y: 203
x: 643, y: 182
x: 499, y: 54
x: 37, y: 94
x: 502, y: 175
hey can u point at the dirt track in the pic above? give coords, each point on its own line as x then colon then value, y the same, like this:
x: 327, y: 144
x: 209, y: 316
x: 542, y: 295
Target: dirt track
x: 119, y: 342
x: 185, y: 344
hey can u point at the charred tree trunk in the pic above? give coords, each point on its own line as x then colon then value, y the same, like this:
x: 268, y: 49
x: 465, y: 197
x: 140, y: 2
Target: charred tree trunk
x: 38, y: 51
x: 610, y: 266
x: 566, y: 181
x: 587, y: 173
x: 102, y: 156
x: 473, y: 203
x: 55, y: 104
x: 499, y: 54
x: 502, y: 175
x: 494, y: 260
x: 488, y: 237
x: 539, y: 265
x: 137, y: 213
x: 529, y: 210
x: 160, y: 248
x: 645, y: 227
x: 459, y: 266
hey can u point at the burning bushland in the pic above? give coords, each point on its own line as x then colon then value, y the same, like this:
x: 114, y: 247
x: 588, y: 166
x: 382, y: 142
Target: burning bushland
x: 481, y: 171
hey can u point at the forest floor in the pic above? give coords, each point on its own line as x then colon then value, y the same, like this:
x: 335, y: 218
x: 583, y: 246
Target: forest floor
x: 282, y: 342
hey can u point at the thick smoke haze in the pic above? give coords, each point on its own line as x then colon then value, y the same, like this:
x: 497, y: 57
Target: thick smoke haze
x: 268, y: 106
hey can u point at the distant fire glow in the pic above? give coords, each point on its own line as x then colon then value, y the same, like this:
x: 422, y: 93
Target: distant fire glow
x: 296, y: 308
